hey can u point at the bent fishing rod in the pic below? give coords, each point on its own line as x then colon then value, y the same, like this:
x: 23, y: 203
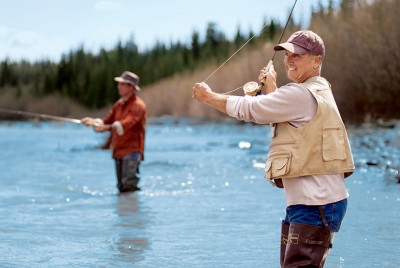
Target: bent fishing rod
x: 273, y: 55
x: 44, y: 116
x: 252, y: 87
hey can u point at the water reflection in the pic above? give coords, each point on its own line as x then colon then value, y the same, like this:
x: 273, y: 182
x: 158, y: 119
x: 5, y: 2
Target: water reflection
x: 130, y: 228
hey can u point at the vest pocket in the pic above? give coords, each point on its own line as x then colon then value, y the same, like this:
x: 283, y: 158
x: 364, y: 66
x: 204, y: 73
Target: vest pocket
x: 278, y: 164
x: 333, y: 144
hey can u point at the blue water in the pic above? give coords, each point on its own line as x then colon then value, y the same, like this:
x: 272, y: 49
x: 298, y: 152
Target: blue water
x: 204, y: 202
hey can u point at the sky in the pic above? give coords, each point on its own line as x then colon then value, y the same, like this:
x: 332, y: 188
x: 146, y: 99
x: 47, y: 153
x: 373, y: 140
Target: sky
x: 45, y: 29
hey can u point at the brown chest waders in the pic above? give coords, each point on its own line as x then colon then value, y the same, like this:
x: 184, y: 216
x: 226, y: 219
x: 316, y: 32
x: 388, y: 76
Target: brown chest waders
x: 304, y: 245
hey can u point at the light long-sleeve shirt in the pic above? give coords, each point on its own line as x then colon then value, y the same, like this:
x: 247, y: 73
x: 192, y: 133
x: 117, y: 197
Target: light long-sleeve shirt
x: 294, y: 104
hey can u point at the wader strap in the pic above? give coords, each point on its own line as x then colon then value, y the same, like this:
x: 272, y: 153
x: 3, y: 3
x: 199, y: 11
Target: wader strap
x: 321, y: 211
x: 326, y: 244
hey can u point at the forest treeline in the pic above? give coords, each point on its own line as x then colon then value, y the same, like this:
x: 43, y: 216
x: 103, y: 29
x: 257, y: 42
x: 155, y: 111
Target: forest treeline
x: 362, y: 41
x: 85, y: 77
x: 362, y: 61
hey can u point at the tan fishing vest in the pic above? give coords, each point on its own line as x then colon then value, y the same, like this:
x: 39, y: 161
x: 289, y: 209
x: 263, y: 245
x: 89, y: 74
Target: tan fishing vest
x: 319, y: 147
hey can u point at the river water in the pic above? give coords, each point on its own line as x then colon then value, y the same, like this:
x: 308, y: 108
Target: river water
x: 204, y: 202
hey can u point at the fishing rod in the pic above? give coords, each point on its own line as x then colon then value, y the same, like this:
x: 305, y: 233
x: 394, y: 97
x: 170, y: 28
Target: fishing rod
x: 44, y: 116
x: 269, y: 63
x: 253, y: 88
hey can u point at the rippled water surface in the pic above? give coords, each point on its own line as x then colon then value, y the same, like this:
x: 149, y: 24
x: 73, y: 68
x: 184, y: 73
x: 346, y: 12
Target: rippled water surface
x: 204, y: 202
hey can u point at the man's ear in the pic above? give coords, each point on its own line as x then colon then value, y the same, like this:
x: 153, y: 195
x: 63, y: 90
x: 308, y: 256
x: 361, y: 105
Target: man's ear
x: 317, y: 61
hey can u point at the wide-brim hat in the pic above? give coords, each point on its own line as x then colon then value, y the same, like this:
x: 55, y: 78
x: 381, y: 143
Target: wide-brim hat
x: 129, y: 78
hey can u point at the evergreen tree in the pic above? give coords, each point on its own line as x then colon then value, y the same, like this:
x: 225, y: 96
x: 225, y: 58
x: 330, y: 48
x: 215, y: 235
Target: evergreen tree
x: 239, y: 38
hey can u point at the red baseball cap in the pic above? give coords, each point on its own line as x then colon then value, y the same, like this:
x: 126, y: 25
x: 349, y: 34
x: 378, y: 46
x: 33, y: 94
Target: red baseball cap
x: 302, y: 42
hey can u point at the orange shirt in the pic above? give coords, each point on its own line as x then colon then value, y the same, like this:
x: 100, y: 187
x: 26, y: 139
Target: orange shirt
x: 131, y: 115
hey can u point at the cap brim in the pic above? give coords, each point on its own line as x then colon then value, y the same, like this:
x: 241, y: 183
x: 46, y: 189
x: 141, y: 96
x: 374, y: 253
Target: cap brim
x: 121, y: 80
x: 291, y: 47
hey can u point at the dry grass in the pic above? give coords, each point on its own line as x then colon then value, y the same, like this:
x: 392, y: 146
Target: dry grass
x: 363, y: 49
x: 362, y: 65
x: 51, y: 104
x: 173, y: 96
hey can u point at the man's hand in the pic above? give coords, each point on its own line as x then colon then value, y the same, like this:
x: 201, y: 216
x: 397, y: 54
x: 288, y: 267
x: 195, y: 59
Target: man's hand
x: 202, y: 92
x: 97, y: 124
x: 268, y: 77
x: 87, y: 121
x: 102, y: 128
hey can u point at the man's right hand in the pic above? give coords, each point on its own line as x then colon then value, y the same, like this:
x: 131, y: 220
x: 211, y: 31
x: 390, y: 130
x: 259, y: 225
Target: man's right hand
x: 202, y: 92
x: 87, y: 121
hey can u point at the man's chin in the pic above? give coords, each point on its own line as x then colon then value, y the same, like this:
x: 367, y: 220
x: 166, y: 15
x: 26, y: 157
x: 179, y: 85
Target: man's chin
x: 290, y: 77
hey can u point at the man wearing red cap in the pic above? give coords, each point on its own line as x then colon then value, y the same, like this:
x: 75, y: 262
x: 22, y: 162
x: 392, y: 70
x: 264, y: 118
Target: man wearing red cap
x: 127, y: 123
x: 309, y: 154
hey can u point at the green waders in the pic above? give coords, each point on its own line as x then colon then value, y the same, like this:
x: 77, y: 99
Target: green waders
x: 127, y: 171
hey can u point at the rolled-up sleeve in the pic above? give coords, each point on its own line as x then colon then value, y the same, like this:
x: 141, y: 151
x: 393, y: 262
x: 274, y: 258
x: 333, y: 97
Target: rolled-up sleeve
x: 288, y: 103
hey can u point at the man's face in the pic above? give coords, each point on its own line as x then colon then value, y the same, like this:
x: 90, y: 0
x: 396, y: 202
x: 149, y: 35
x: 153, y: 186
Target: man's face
x: 125, y: 90
x: 299, y: 68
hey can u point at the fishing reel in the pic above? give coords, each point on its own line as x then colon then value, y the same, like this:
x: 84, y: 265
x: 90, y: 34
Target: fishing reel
x: 252, y: 88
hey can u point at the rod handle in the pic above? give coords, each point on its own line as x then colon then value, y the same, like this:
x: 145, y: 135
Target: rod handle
x: 262, y: 83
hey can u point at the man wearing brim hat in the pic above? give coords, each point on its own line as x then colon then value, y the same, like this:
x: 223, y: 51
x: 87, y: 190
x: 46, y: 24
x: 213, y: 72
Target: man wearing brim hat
x: 127, y: 123
x: 129, y: 78
x: 309, y: 153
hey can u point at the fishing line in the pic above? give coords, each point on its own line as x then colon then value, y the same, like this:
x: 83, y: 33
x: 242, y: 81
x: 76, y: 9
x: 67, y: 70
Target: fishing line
x: 232, y: 90
x: 253, y: 87
x: 45, y: 116
x: 237, y: 51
